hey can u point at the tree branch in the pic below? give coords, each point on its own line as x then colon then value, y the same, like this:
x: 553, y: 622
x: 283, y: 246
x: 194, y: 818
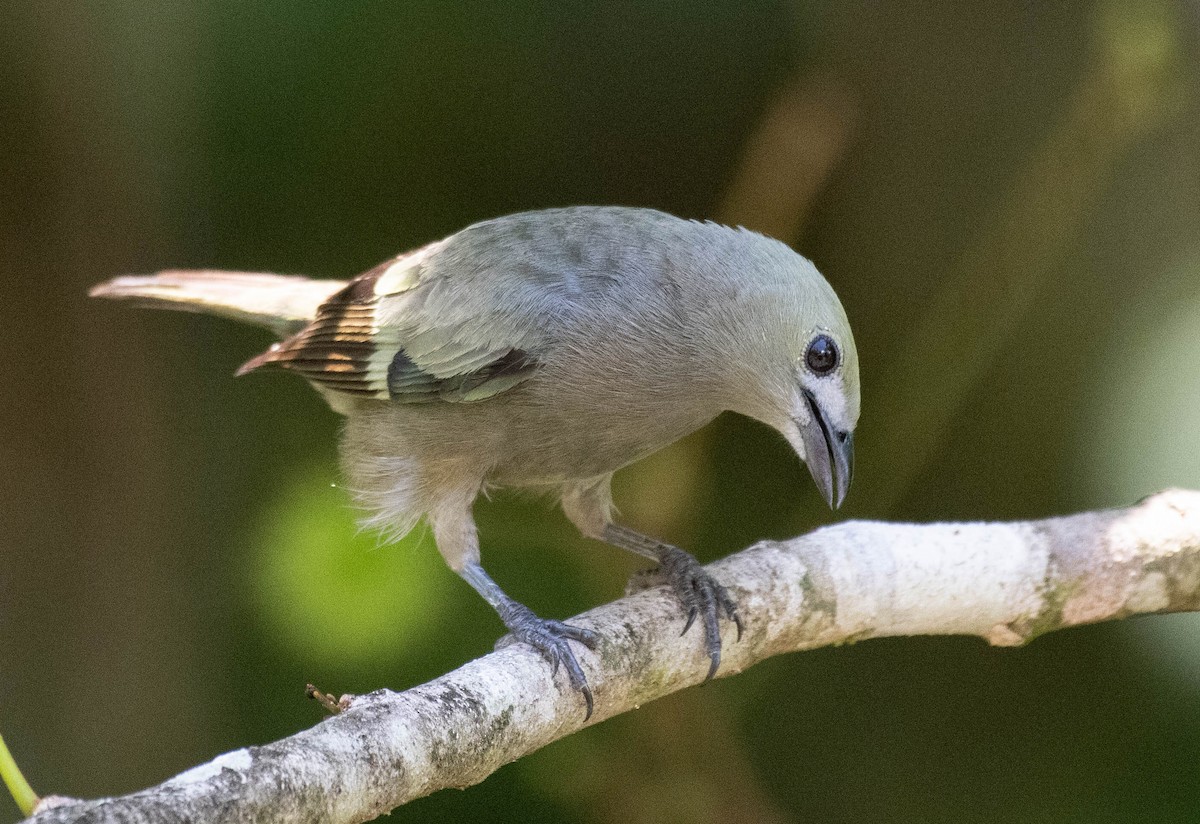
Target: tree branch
x: 1005, y: 582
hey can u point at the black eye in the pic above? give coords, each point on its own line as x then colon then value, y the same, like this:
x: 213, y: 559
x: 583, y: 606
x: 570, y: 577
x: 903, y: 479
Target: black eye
x: 822, y: 355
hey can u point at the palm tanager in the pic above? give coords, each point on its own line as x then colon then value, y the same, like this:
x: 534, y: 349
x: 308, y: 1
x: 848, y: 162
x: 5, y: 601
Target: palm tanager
x: 547, y: 350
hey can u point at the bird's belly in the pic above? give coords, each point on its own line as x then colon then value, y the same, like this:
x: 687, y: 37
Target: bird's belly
x: 521, y: 439
x: 537, y: 466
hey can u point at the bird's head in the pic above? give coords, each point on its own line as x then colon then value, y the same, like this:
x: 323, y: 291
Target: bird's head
x: 805, y: 382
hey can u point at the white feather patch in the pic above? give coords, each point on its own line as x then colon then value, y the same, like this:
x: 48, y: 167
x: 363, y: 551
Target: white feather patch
x: 405, y: 273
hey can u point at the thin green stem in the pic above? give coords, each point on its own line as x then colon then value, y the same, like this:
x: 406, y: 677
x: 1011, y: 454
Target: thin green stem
x: 22, y: 793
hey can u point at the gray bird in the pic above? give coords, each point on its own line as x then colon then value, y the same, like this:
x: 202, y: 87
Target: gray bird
x: 547, y: 350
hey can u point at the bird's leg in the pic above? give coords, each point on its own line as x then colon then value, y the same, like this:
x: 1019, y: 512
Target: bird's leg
x: 459, y: 545
x: 546, y: 636
x: 698, y: 591
x: 589, y: 506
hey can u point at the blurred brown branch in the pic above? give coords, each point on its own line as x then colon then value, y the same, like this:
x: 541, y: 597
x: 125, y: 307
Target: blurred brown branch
x: 802, y: 136
x: 1005, y: 582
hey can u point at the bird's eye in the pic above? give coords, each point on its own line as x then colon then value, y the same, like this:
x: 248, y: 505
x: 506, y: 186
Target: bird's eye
x: 822, y: 355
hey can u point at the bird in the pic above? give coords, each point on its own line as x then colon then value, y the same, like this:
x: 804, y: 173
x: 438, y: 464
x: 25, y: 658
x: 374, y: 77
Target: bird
x: 546, y: 350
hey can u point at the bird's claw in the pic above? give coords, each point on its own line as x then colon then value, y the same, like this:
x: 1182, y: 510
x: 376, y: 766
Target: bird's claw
x: 701, y: 596
x: 550, y: 638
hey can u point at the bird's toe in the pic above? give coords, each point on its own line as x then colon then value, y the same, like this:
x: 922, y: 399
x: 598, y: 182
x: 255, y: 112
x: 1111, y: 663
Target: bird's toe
x: 701, y: 597
x: 551, y: 639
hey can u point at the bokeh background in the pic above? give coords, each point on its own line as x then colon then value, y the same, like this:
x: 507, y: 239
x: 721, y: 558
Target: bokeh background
x: 1006, y: 197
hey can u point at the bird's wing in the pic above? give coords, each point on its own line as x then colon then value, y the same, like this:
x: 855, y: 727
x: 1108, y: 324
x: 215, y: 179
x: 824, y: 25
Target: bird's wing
x: 412, y: 331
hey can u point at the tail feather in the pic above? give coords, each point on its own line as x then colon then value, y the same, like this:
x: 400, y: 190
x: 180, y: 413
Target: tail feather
x: 282, y: 303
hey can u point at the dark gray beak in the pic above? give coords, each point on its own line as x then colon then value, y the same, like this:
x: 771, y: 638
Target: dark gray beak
x: 827, y: 450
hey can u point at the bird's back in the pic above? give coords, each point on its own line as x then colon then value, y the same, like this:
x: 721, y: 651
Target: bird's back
x: 479, y: 313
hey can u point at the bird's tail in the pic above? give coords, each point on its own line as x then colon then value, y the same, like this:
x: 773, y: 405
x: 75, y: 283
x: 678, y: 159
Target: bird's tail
x: 283, y: 303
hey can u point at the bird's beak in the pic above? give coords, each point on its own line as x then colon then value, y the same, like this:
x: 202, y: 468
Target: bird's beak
x: 826, y: 450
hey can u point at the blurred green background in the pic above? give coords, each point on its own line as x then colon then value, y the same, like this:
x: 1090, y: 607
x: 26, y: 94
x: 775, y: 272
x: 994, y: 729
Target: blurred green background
x: 1006, y: 197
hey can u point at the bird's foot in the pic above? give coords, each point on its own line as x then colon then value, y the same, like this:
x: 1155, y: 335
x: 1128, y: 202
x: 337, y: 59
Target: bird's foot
x: 550, y: 638
x: 701, y: 597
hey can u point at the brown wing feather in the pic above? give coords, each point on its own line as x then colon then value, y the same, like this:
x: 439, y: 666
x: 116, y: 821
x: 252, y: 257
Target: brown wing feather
x: 336, y: 347
x: 336, y: 352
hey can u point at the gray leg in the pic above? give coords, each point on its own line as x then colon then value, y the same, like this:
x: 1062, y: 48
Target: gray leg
x: 546, y: 636
x: 459, y: 545
x: 698, y: 591
x: 590, y: 506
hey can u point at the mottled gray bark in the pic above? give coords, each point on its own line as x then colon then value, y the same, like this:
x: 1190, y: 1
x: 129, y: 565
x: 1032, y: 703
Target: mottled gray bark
x: 1005, y: 582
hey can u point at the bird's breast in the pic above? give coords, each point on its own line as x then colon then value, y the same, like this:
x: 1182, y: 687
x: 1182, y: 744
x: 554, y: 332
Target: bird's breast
x: 551, y: 439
